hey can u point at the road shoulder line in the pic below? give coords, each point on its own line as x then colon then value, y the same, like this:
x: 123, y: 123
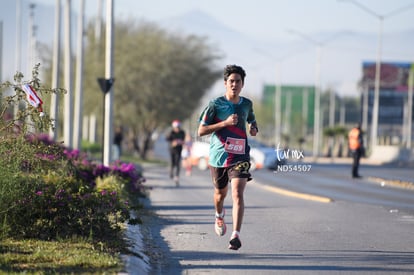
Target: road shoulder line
x: 289, y: 193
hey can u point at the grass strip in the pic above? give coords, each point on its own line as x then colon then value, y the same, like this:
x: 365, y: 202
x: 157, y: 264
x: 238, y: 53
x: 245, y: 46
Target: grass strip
x: 62, y: 257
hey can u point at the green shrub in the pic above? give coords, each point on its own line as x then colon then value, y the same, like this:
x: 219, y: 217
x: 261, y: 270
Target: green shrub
x: 92, y: 148
x: 49, y: 192
x: 63, y: 194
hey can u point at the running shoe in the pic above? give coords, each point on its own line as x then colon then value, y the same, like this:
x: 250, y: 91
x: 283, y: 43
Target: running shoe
x: 220, y: 226
x: 235, y: 242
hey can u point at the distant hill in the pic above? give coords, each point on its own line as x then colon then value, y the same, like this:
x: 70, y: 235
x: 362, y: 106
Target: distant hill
x: 341, y: 60
x: 295, y: 58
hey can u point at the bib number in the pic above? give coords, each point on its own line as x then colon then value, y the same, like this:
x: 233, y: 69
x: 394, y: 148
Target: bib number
x: 235, y: 146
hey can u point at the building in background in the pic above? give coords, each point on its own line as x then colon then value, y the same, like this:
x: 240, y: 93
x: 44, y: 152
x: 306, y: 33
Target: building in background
x: 393, y: 99
x: 297, y: 109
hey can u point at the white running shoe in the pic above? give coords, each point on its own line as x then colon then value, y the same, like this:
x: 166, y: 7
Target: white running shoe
x: 220, y: 226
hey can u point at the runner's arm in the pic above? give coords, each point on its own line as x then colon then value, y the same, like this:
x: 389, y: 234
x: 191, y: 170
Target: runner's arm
x: 204, y: 129
x: 253, y: 129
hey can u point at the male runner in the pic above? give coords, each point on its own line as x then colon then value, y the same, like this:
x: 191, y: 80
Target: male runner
x: 225, y: 118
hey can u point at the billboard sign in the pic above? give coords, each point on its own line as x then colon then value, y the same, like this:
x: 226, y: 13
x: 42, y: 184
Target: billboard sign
x: 393, y: 90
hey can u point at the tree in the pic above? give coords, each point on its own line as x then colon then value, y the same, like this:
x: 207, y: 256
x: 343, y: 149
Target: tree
x: 336, y: 139
x: 159, y: 76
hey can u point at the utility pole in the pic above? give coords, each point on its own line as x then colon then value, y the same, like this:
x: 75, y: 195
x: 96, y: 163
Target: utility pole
x: 54, y: 101
x: 316, y: 123
x: 31, y: 50
x: 317, y: 111
x: 278, y: 105
x: 410, y: 108
x: 68, y: 116
x: 305, y: 99
x: 288, y: 111
x: 381, y: 18
x: 98, y: 24
x: 318, y: 87
x: 18, y: 34
x: 77, y: 124
x: 107, y: 146
x: 331, y: 108
x: 342, y: 114
x: 365, y: 97
x: 18, y: 44
x: 31, y: 40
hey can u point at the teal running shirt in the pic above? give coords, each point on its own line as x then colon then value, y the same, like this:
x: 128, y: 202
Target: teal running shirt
x: 228, y: 145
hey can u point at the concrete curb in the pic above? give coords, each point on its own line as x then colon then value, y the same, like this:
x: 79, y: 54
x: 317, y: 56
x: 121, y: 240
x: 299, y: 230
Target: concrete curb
x: 393, y: 183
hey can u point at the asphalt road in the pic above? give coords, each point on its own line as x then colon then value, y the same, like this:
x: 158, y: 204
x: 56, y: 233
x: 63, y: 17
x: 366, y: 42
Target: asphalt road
x: 315, y: 222
x: 380, y: 185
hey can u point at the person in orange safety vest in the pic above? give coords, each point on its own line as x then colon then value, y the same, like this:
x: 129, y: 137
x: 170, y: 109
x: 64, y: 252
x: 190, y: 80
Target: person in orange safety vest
x: 356, y: 147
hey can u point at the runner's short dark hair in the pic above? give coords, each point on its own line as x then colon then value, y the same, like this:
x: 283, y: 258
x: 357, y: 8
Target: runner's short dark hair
x: 234, y: 69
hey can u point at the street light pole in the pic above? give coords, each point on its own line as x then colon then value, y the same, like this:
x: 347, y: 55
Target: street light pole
x: 54, y: 100
x: 410, y: 108
x: 68, y: 101
x: 318, y: 85
x: 375, y: 110
x: 277, y: 97
x: 18, y: 43
x: 31, y: 40
x: 278, y: 104
x: 78, y: 107
x: 316, y: 124
x: 107, y: 145
x: 317, y: 119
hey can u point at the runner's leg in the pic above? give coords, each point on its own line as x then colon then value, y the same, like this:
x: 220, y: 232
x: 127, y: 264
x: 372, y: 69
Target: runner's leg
x: 171, y: 163
x: 219, y: 196
x: 238, y: 185
x: 178, y: 163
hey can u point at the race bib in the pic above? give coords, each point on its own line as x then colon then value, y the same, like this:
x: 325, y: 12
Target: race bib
x: 235, y: 146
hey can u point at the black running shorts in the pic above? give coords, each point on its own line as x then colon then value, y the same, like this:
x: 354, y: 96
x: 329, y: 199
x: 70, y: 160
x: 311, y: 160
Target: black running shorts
x: 222, y: 175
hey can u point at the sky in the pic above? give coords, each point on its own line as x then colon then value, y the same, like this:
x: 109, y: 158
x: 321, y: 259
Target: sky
x: 269, y: 20
x: 254, y: 17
